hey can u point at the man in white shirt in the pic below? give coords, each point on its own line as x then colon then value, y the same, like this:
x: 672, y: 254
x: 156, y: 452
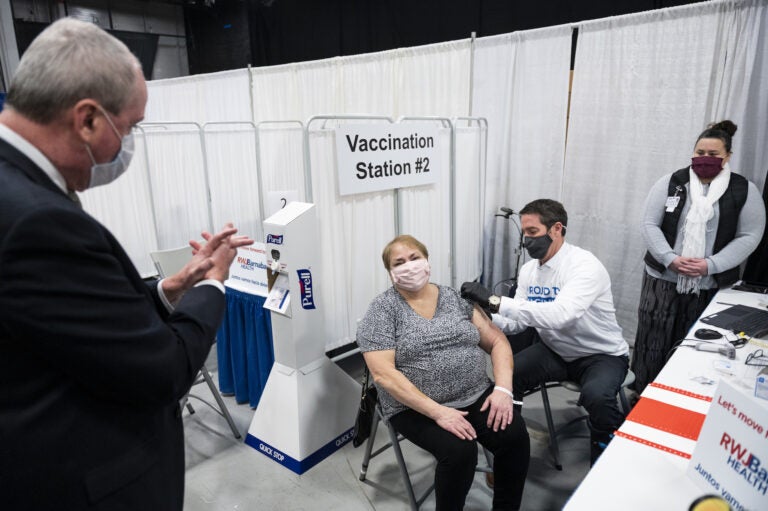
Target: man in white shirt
x: 564, y: 292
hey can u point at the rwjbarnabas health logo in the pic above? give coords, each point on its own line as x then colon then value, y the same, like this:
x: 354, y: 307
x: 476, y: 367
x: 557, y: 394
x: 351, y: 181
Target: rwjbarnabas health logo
x: 745, y: 463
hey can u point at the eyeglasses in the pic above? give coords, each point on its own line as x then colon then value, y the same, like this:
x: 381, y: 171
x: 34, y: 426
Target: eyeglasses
x: 757, y: 358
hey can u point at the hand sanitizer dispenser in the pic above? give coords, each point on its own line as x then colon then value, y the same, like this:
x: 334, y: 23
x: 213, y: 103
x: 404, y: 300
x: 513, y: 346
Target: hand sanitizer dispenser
x: 309, y: 404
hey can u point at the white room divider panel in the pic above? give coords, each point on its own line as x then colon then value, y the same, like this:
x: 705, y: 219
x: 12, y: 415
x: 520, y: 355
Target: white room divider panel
x: 179, y: 183
x: 354, y: 229
x: 358, y: 226
x: 431, y: 80
x: 425, y: 211
x: 471, y: 139
x: 521, y: 88
x: 231, y: 158
x: 281, y: 157
x: 126, y: 208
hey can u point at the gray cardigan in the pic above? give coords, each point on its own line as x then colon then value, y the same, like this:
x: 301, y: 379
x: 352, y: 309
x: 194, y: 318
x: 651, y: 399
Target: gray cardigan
x: 749, y: 232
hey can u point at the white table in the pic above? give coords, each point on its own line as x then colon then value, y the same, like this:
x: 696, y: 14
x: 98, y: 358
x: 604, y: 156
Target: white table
x: 634, y: 473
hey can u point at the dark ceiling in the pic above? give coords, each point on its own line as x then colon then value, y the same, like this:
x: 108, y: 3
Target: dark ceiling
x: 230, y: 34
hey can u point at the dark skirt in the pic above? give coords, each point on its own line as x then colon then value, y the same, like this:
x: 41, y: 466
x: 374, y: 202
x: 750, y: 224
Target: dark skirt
x: 664, y: 318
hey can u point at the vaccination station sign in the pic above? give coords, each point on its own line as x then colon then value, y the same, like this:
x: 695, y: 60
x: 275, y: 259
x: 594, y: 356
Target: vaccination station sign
x: 375, y: 157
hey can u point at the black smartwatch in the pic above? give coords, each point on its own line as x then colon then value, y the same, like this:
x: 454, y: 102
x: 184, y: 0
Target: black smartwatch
x: 493, y: 304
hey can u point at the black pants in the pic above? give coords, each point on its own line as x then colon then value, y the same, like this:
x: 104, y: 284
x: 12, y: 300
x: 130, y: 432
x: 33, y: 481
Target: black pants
x: 457, y: 458
x: 600, y: 377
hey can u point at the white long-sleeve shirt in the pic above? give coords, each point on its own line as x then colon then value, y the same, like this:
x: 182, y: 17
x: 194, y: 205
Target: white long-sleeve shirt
x: 568, y: 300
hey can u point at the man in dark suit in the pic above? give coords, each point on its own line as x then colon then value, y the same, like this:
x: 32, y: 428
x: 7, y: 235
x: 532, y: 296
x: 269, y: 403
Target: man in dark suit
x: 92, y: 360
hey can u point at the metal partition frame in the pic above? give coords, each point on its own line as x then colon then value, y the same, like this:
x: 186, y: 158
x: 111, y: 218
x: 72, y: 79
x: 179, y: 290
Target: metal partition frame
x: 256, y: 151
x: 205, y: 159
x: 258, y: 126
x: 482, y: 124
x: 149, y: 182
x: 445, y: 122
x: 308, y: 163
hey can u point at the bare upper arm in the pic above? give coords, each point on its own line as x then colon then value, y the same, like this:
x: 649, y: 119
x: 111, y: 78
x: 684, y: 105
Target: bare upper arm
x: 490, y: 334
x: 379, y: 362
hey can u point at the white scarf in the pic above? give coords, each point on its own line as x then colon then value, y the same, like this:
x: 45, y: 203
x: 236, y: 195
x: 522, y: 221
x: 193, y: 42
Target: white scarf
x: 695, y: 229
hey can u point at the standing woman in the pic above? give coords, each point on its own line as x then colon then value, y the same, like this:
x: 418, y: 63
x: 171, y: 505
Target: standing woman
x: 700, y: 223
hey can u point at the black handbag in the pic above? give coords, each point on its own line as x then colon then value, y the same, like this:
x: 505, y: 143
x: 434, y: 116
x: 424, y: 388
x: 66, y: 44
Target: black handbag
x: 365, y: 413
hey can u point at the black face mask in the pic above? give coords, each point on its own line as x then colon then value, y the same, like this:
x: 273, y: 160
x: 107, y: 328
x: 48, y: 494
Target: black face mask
x: 537, y: 247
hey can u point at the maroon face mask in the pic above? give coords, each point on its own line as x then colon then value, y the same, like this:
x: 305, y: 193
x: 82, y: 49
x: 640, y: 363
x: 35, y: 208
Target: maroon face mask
x: 706, y: 167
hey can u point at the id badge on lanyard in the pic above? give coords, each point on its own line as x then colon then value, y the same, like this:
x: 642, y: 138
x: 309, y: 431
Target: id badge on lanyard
x: 673, y: 201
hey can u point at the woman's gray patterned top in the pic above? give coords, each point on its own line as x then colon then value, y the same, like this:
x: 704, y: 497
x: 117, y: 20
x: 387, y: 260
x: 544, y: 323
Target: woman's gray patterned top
x: 440, y: 356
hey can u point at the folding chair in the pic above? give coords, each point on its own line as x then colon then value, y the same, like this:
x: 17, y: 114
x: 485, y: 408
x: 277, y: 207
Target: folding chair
x: 574, y: 387
x: 168, y: 262
x: 394, y: 442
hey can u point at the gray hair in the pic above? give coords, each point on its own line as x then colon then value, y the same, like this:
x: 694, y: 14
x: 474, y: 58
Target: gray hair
x: 69, y: 61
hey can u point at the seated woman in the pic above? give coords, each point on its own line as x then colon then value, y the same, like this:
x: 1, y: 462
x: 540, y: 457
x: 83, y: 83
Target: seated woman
x: 424, y: 346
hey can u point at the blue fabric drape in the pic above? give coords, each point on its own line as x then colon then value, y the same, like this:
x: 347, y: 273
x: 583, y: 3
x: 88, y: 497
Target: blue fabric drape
x: 244, y: 347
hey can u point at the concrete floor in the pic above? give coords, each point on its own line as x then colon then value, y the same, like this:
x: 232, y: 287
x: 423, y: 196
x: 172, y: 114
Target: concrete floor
x: 225, y: 474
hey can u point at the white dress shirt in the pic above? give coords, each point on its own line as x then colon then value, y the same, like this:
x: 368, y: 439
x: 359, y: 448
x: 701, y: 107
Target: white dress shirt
x: 568, y: 300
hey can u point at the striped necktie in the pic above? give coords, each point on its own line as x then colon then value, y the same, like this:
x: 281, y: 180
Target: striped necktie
x: 73, y: 196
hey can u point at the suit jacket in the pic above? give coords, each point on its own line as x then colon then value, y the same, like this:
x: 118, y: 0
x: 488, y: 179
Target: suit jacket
x: 91, y: 364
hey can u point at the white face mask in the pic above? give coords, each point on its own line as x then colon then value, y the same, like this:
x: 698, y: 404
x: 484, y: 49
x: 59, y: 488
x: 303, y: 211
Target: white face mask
x: 104, y: 173
x: 411, y: 276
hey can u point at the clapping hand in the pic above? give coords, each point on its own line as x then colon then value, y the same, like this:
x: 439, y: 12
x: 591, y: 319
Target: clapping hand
x: 219, y: 251
x: 210, y: 260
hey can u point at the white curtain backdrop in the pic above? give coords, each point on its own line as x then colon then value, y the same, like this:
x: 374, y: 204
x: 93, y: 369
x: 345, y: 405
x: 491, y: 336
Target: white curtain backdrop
x: 221, y: 96
x: 470, y: 199
x: 433, y: 81
x: 281, y: 158
x: 644, y: 87
x: 230, y: 151
x: 739, y: 85
x: 521, y: 88
x: 125, y: 207
x: 425, y: 212
x: 179, y: 184
x: 295, y: 91
x: 353, y: 230
x: 425, y: 81
x: 359, y: 93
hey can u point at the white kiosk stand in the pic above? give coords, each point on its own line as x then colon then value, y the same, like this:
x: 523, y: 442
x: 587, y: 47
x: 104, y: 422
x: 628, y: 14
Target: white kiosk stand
x: 309, y: 404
